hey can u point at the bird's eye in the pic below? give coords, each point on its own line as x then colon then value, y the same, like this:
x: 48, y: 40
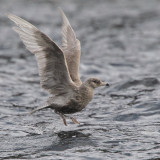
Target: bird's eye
x: 95, y: 81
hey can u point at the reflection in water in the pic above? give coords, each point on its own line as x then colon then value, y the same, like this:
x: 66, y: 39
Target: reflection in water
x: 68, y: 140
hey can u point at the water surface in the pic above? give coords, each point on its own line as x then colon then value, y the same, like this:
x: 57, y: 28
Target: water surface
x: 120, y: 44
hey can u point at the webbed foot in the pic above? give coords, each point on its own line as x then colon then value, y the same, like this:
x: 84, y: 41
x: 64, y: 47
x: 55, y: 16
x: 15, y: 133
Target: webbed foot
x: 74, y: 120
x: 64, y: 119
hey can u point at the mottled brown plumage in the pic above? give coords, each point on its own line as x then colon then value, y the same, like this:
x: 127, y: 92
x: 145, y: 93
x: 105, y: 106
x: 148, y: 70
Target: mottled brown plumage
x: 58, y: 68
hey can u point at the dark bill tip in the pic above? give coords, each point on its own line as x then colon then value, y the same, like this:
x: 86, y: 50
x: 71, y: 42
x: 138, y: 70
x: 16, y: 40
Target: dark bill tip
x: 107, y: 84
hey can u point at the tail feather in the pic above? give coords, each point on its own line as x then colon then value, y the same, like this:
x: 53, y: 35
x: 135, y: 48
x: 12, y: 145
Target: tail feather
x: 39, y: 108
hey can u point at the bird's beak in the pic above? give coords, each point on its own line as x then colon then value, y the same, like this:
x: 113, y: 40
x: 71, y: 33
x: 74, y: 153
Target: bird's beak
x: 107, y: 84
x: 104, y: 84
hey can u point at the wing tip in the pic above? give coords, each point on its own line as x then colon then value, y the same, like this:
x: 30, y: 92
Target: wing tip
x: 9, y: 15
x: 64, y: 17
x: 61, y: 11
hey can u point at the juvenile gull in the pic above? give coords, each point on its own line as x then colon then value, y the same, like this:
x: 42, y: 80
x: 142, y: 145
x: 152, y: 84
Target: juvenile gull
x: 58, y: 68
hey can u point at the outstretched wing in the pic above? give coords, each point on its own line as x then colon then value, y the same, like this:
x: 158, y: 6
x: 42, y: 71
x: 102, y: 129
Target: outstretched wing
x: 53, y: 71
x: 72, y: 49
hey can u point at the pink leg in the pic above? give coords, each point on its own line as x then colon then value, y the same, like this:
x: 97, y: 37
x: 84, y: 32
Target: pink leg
x: 74, y: 120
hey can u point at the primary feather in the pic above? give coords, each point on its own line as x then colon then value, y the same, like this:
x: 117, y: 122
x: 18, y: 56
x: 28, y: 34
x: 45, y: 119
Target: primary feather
x: 71, y: 48
x: 53, y: 70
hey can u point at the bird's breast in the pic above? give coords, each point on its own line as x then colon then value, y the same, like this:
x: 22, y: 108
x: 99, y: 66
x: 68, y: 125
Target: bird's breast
x: 86, y: 95
x: 76, y: 104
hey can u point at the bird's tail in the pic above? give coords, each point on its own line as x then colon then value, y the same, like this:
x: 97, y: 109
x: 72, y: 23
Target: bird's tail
x: 39, y: 108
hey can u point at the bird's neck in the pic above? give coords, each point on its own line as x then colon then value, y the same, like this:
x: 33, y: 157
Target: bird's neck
x: 86, y: 93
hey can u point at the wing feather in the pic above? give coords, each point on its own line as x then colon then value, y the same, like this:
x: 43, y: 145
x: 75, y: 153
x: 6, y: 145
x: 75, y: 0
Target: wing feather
x: 53, y: 71
x: 71, y: 48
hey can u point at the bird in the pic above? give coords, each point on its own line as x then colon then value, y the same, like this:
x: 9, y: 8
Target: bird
x: 58, y: 68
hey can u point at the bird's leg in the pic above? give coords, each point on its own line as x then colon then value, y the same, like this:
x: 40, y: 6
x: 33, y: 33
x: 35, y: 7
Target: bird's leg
x: 73, y: 119
x: 63, y: 118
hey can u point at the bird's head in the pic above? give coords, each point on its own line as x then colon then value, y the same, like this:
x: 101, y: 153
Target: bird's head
x: 95, y: 82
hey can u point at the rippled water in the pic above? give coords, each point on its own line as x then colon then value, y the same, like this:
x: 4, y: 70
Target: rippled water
x: 121, y: 45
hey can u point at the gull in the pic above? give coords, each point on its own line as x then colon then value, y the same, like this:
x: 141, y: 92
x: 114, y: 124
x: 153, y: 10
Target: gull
x: 58, y: 68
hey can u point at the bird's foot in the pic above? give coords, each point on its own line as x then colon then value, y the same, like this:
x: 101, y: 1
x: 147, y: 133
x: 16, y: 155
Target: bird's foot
x: 63, y: 118
x: 74, y: 120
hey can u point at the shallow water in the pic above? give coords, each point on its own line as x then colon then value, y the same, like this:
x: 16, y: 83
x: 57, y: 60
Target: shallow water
x: 120, y: 44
